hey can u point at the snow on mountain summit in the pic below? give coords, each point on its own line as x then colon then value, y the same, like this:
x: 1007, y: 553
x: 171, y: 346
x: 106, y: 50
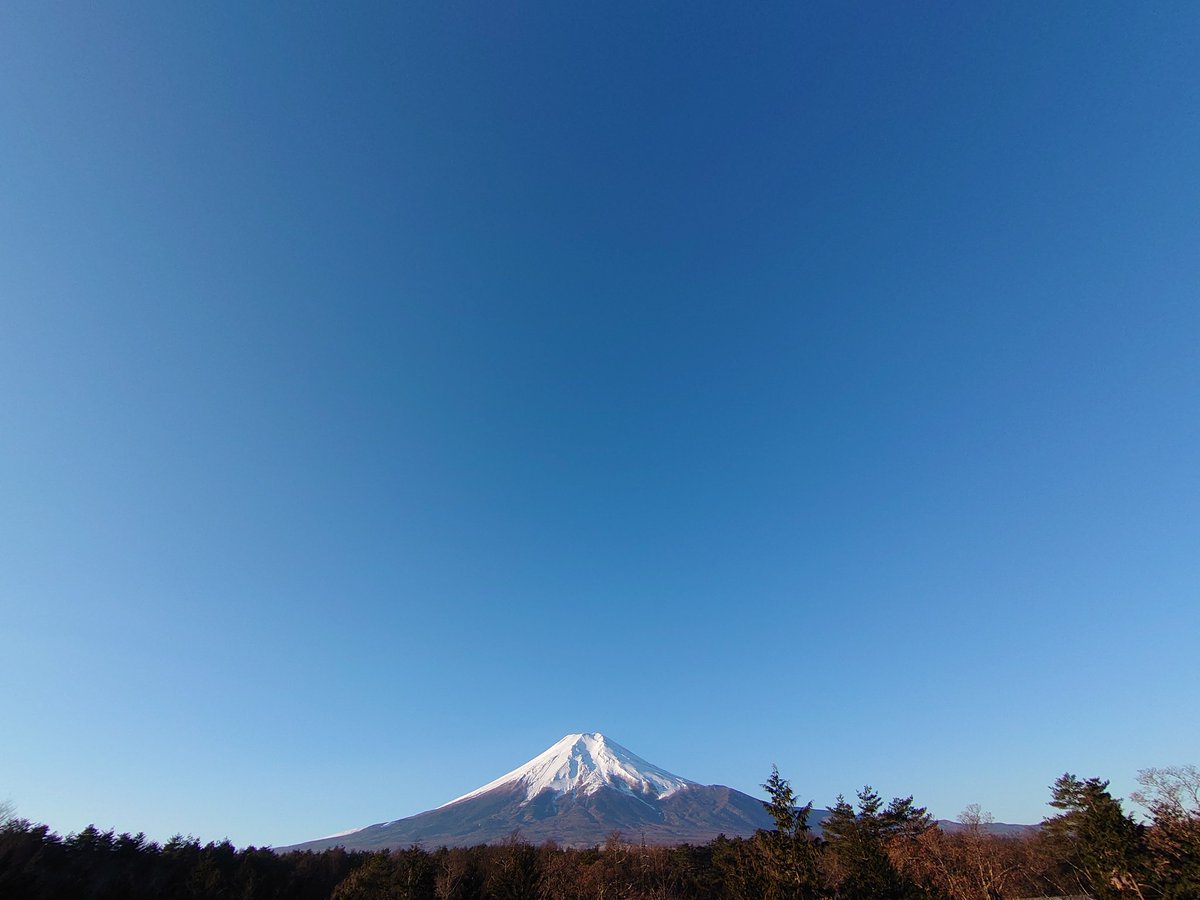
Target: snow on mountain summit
x: 585, y: 763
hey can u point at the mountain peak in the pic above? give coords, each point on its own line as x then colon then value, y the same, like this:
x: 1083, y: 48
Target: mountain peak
x: 584, y: 763
x: 576, y: 793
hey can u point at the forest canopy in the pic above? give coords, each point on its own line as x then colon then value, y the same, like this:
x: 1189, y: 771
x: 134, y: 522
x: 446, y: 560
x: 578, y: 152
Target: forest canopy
x: 866, y: 849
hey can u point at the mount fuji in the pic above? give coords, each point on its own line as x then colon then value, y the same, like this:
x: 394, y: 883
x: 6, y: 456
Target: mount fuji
x: 576, y: 793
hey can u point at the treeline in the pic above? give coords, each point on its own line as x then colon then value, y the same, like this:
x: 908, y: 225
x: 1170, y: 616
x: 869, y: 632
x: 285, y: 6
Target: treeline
x: 867, y: 850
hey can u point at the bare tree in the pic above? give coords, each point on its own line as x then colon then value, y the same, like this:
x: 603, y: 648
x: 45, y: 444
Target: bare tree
x: 1172, y: 797
x: 1173, y: 792
x: 970, y: 863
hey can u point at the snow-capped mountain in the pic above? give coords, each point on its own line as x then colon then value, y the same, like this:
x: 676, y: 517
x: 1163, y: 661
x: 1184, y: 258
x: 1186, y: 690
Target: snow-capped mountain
x: 585, y: 763
x: 576, y: 793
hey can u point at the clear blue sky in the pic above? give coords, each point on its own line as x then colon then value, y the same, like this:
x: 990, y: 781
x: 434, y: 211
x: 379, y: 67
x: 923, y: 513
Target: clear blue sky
x: 387, y: 390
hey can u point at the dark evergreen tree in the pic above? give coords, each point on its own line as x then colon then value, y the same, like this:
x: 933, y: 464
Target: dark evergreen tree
x: 740, y: 870
x: 861, y: 867
x: 514, y: 873
x: 371, y: 881
x: 1103, y: 848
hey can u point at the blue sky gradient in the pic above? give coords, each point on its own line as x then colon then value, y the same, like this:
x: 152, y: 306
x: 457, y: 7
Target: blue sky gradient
x: 389, y: 390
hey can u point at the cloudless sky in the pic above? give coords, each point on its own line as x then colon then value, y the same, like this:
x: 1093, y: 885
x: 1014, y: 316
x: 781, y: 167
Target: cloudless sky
x: 388, y: 389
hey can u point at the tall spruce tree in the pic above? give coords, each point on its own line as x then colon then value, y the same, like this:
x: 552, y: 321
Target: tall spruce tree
x: 788, y: 851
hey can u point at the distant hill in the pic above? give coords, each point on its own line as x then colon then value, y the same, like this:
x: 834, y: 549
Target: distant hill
x: 1002, y: 829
